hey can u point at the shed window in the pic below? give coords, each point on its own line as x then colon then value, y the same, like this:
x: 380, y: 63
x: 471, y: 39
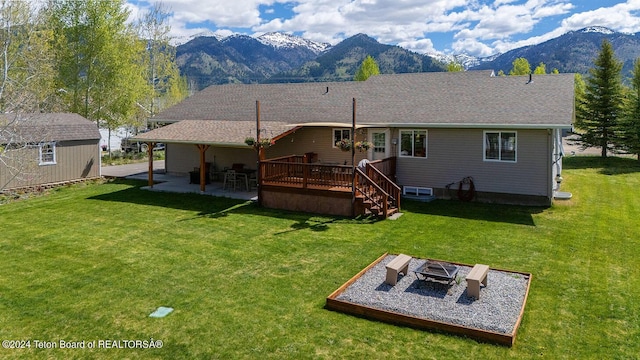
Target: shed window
x: 413, y: 143
x: 47, y: 153
x: 500, y: 146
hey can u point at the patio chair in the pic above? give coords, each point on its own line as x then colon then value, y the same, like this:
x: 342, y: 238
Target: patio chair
x: 231, y: 179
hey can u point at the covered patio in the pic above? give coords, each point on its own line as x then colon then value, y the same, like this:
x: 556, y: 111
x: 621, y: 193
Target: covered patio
x: 180, y: 184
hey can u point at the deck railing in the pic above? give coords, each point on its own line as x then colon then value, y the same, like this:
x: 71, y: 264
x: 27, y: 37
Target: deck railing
x: 372, y: 192
x: 374, y: 182
x: 384, y: 182
x: 287, y: 171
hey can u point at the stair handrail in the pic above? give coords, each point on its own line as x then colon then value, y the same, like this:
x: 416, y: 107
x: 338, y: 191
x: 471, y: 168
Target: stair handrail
x: 384, y: 202
x: 394, y: 190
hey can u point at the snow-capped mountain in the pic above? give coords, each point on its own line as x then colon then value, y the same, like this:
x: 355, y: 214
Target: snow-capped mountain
x: 179, y: 40
x: 597, y: 29
x: 467, y: 61
x: 281, y: 40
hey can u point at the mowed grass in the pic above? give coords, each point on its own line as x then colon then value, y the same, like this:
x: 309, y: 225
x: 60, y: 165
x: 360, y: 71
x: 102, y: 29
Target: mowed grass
x: 91, y: 262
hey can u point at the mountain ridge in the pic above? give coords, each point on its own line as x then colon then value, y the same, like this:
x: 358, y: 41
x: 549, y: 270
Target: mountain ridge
x: 280, y: 57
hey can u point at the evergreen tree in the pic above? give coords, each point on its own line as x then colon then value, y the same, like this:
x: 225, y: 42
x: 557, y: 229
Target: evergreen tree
x: 600, y: 108
x: 368, y: 68
x: 630, y: 122
x: 520, y: 67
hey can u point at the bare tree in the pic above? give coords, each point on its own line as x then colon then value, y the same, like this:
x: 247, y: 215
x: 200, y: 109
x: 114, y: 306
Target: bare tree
x: 26, y: 87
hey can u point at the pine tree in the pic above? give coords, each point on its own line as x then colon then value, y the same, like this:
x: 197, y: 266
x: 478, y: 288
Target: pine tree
x: 630, y: 122
x: 599, y: 110
x: 368, y: 68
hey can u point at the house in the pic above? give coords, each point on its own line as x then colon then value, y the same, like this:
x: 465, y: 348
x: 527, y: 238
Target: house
x: 41, y: 150
x: 467, y: 135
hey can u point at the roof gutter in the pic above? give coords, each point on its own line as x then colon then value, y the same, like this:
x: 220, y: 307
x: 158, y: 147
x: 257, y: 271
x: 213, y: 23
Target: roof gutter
x: 442, y: 125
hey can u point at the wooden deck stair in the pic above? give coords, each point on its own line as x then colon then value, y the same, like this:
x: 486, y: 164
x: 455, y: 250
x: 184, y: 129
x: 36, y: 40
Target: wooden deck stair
x: 376, y: 194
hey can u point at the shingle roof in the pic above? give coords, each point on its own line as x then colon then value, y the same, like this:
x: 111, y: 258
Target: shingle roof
x: 212, y: 132
x: 463, y: 99
x: 52, y: 126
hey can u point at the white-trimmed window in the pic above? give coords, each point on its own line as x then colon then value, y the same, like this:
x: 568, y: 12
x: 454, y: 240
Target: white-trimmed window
x: 500, y: 146
x: 413, y: 143
x: 339, y: 134
x: 47, y: 153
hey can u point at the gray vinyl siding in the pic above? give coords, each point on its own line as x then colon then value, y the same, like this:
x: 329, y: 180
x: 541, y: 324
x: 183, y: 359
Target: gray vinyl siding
x: 182, y: 158
x: 453, y: 154
x: 75, y: 160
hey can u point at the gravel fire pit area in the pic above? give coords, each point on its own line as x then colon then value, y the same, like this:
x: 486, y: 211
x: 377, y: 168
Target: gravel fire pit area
x: 427, y: 304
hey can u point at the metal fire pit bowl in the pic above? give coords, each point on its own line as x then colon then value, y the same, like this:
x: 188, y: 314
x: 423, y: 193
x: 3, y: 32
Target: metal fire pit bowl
x: 437, y: 270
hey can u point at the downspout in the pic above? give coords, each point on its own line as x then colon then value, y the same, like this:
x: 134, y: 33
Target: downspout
x: 260, y: 154
x: 353, y: 159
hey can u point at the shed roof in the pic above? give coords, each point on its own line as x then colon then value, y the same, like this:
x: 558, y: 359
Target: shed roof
x: 51, y: 126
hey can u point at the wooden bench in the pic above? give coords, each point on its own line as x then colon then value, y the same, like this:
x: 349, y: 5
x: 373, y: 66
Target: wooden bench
x: 398, y: 265
x: 477, y: 275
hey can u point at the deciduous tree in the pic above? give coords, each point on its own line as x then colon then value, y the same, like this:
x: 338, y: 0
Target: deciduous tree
x: 369, y: 67
x: 162, y: 73
x: 26, y: 86
x: 520, y: 67
x: 454, y: 66
x: 99, y: 60
x: 540, y: 69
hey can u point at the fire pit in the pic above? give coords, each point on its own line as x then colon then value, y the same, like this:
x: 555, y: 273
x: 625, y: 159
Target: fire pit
x: 437, y: 270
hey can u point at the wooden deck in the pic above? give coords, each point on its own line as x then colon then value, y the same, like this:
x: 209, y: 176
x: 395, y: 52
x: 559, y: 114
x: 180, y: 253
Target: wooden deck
x: 375, y: 192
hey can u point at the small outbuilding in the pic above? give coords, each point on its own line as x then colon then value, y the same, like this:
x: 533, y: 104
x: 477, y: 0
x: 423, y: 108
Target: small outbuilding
x: 47, y: 149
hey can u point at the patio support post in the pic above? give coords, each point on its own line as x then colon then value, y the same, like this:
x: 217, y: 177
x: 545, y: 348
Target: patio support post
x: 150, y: 146
x: 353, y: 159
x: 203, y: 170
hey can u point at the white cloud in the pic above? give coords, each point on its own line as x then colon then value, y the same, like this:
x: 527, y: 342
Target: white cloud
x: 621, y: 17
x: 475, y: 27
x: 472, y: 47
x: 423, y: 46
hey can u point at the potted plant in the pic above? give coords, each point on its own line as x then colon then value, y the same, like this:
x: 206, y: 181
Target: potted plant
x: 250, y: 141
x: 363, y: 145
x: 263, y: 143
x: 344, y: 144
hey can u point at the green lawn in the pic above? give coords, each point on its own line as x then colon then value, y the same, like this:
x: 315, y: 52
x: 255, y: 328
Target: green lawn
x: 91, y: 262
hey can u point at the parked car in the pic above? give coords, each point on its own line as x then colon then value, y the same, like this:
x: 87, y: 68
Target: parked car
x: 127, y: 145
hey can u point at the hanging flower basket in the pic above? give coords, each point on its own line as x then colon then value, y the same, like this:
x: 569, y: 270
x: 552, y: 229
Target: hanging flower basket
x: 344, y: 145
x: 363, y: 146
x: 263, y: 143
x: 250, y: 141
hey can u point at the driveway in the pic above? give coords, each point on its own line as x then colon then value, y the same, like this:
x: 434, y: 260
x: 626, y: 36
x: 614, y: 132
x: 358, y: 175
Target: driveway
x: 132, y: 169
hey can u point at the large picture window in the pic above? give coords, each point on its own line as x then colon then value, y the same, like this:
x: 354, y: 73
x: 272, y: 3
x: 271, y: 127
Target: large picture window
x: 47, y: 153
x: 413, y: 143
x: 500, y: 146
x: 339, y: 134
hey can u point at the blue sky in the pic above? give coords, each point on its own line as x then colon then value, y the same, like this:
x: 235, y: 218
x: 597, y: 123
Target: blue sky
x: 474, y: 27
